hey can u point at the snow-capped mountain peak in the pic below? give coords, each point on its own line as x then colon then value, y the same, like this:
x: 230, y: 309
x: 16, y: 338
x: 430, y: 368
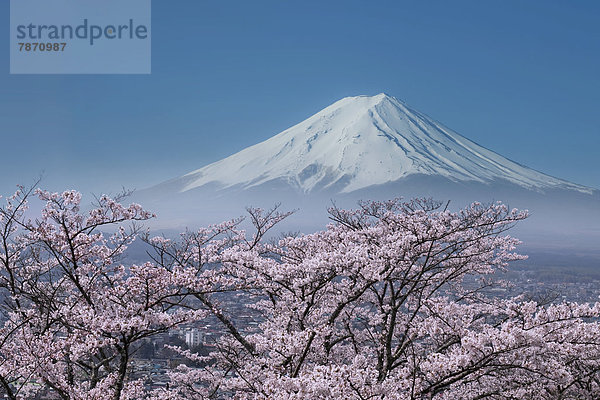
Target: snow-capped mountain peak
x: 362, y: 141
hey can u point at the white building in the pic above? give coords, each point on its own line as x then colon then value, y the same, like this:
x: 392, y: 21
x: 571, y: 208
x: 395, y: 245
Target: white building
x: 193, y: 337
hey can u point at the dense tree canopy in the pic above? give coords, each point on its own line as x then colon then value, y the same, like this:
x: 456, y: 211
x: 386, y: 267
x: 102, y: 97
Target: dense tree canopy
x: 390, y: 301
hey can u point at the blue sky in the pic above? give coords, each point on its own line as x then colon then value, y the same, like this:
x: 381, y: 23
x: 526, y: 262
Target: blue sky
x: 520, y: 78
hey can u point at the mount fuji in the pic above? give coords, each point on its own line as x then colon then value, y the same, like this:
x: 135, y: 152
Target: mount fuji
x: 363, y: 141
x: 373, y: 147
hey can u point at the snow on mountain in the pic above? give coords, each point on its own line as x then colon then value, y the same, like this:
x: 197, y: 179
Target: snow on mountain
x: 362, y: 141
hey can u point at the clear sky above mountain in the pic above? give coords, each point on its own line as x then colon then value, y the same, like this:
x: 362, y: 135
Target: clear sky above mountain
x: 520, y: 78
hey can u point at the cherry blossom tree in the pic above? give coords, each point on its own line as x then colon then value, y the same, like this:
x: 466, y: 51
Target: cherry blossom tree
x: 73, y: 312
x: 390, y: 301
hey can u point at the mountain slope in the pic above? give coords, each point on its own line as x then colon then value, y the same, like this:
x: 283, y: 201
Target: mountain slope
x: 363, y: 141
